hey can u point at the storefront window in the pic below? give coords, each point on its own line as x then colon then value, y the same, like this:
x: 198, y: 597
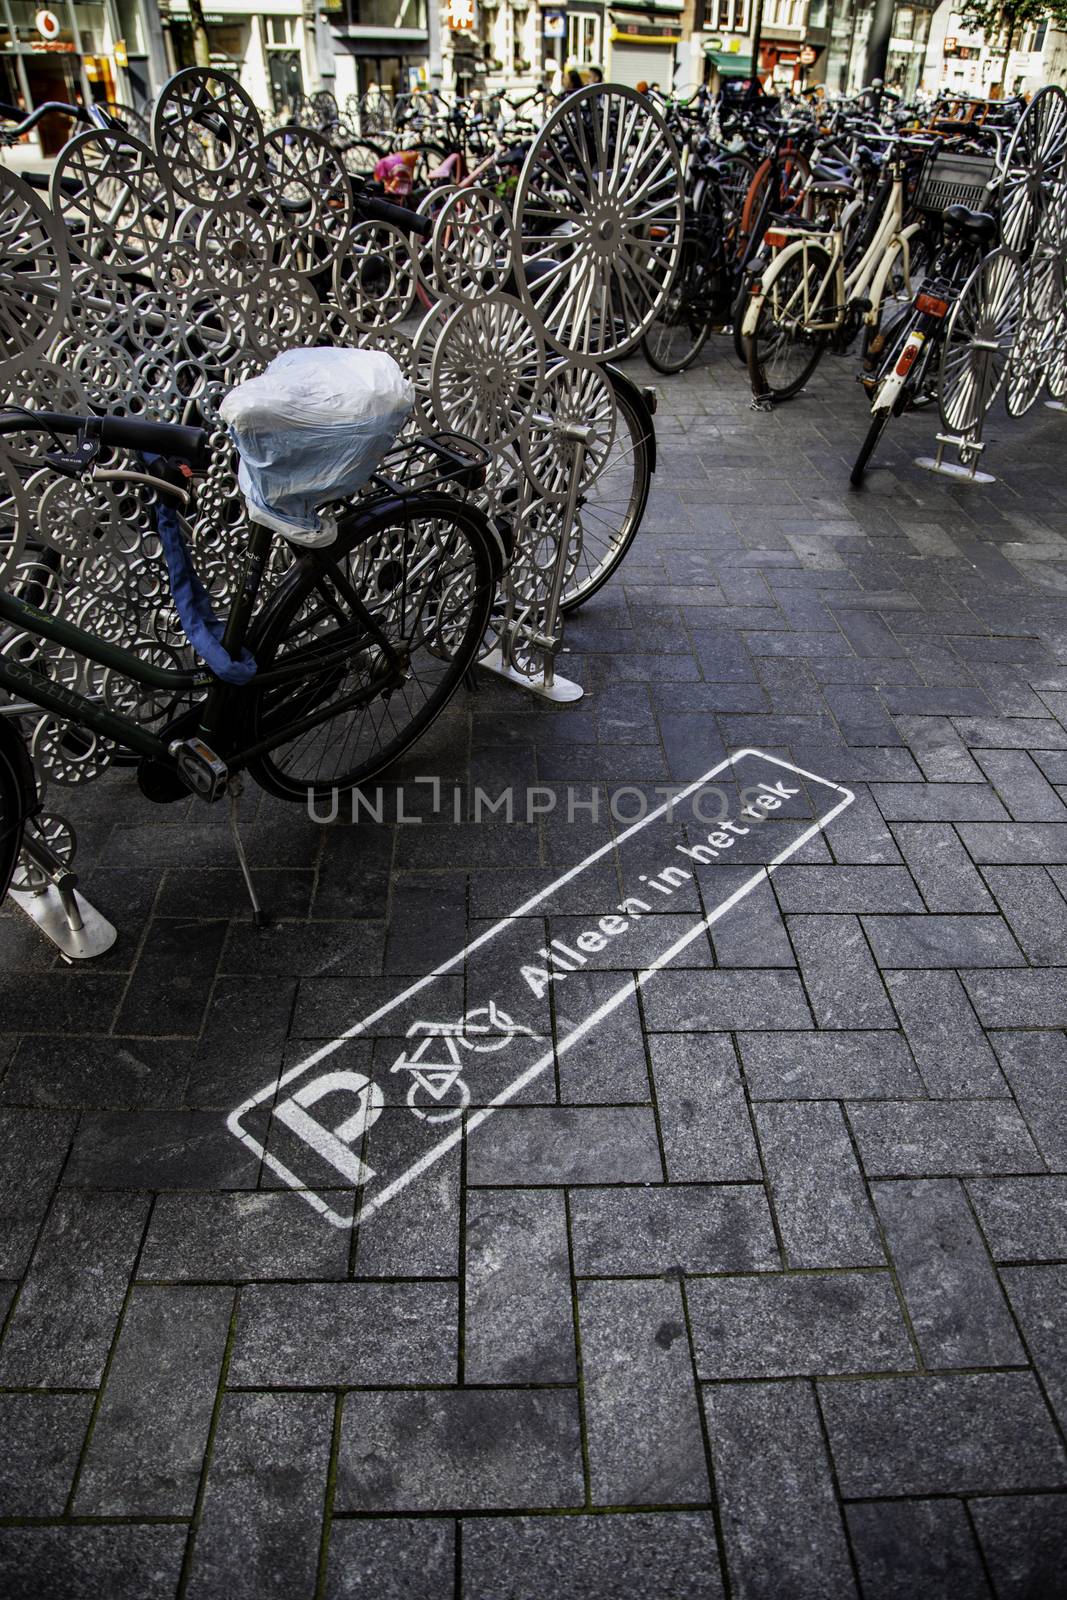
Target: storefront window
x: 388, y: 13
x: 584, y: 39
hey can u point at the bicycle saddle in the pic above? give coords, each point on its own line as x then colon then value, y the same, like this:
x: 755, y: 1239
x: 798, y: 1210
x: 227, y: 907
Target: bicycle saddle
x: 831, y: 183
x: 977, y: 226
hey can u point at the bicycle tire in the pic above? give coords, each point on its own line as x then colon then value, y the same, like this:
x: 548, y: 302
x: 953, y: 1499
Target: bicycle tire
x: 18, y: 800
x: 815, y: 263
x: 376, y: 556
x: 879, y: 423
x: 677, y: 314
x: 593, y: 569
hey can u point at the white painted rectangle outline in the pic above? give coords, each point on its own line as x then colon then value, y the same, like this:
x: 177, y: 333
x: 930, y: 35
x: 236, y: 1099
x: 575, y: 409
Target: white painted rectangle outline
x: 377, y: 1201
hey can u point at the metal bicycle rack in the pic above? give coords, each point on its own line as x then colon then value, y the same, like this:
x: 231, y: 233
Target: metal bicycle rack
x: 1008, y: 329
x: 164, y: 271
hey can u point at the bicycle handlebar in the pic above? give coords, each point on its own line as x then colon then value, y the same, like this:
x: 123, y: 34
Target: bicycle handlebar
x: 132, y: 433
x: 381, y: 211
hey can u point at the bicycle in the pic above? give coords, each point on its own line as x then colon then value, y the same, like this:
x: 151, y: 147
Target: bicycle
x: 356, y: 652
x: 914, y: 345
x: 809, y: 293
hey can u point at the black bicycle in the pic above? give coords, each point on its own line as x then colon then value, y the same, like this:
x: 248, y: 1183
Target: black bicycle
x: 357, y: 650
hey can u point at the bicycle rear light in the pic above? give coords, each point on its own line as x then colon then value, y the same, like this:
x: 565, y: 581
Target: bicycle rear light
x: 908, y: 354
x: 774, y: 238
x: 932, y: 304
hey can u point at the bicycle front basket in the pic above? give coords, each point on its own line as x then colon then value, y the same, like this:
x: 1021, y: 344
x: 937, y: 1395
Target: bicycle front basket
x: 950, y: 179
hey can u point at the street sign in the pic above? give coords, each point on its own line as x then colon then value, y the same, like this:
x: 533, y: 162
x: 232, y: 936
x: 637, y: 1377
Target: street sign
x: 808, y: 56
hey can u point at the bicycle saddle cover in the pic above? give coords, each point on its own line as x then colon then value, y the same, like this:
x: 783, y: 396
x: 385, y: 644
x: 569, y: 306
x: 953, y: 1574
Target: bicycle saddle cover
x: 310, y: 429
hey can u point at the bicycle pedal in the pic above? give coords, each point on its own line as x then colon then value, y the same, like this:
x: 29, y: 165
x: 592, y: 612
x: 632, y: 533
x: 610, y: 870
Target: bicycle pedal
x: 761, y: 403
x: 205, y: 773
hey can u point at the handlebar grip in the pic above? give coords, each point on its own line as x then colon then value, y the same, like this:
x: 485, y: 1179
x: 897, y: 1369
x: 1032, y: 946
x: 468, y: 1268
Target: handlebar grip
x: 154, y: 438
x: 376, y: 210
x: 131, y: 433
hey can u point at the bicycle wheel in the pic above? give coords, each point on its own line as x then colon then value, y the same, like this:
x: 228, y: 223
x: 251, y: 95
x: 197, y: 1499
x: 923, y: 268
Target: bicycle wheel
x: 782, y: 352
x: 610, y: 510
x: 18, y: 800
x: 424, y: 571
x: 680, y: 330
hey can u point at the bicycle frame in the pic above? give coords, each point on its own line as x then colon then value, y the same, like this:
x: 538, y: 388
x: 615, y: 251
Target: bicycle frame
x: 866, y: 280
x: 218, y: 704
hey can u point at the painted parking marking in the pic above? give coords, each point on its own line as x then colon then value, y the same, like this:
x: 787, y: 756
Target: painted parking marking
x: 453, y: 1051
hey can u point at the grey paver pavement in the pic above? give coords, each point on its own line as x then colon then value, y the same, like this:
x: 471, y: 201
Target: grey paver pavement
x: 760, y: 1291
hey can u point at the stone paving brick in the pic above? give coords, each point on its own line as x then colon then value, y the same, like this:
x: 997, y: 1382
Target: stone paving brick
x: 607, y: 1066
x: 965, y: 1434
x: 391, y: 1559
x: 841, y: 888
x: 264, y: 1497
x: 816, y: 1187
x: 781, y: 1526
x: 659, y: 1556
x: 705, y: 1127
x: 843, y: 983
x: 1022, y: 1540
x: 1024, y: 1219
x: 872, y: 1065
x: 157, y: 1150
x: 949, y: 1045
x: 640, y: 1403
x: 231, y: 1237
x: 1037, y: 1296
x: 332, y: 1334
x: 957, y: 1310
x: 43, y: 1436
x: 419, y: 1237
x: 603, y: 1144
x: 1036, y: 1068
x: 1026, y: 793
x: 782, y: 1325
x: 672, y: 1230
x: 1030, y: 999
x: 518, y: 1324
x: 944, y: 872
x: 935, y: 1138
x: 145, y: 1455
x: 468, y: 1449
x: 1035, y: 910
x: 916, y: 1547
x: 859, y: 836
x: 937, y: 747
x: 79, y: 1563
x: 700, y: 1002
x: 1015, y: 843
x: 244, y: 1034
x: 974, y: 806
x: 64, y: 1320
x: 175, y: 972
x: 937, y: 941
x: 95, y: 1072
x: 33, y: 1149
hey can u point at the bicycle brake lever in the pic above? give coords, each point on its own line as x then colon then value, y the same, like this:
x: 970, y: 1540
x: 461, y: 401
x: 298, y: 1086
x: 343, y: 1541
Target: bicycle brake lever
x: 77, y: 462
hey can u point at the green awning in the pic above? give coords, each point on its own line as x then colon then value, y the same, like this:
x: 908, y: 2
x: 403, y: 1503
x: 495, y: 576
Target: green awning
x: 730, y: 65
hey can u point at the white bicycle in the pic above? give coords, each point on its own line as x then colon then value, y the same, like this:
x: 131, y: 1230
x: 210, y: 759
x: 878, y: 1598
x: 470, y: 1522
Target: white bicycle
x: 808, y: 292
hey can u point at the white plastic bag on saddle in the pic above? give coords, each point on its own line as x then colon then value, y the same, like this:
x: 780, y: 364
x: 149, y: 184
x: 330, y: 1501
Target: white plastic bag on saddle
x: 312, y: 428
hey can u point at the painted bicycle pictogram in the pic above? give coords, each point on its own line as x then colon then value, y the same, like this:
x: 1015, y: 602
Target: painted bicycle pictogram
x: 437, y: 1091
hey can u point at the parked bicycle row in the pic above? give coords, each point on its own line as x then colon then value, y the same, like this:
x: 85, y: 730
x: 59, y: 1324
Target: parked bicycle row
x: 161, y: 283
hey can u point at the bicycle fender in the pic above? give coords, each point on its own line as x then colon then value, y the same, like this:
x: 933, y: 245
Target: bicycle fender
x: 639, y: 399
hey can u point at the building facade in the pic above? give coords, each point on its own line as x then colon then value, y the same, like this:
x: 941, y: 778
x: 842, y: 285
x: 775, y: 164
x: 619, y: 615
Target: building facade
x: 960, y: 59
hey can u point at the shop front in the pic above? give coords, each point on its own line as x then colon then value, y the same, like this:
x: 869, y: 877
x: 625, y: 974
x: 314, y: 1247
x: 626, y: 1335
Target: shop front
x: 59, y: 53
x: 644, y: 44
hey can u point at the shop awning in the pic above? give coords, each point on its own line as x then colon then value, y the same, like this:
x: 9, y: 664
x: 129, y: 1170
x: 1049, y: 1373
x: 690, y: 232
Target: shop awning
x: 728, y: 64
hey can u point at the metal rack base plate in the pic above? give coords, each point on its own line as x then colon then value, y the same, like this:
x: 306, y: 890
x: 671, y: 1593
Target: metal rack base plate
x: 952, y: 469
x: 561, y: 690
x: 68, y: 920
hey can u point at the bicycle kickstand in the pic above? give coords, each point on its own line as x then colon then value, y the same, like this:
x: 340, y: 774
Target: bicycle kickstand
x: 261, y: 918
